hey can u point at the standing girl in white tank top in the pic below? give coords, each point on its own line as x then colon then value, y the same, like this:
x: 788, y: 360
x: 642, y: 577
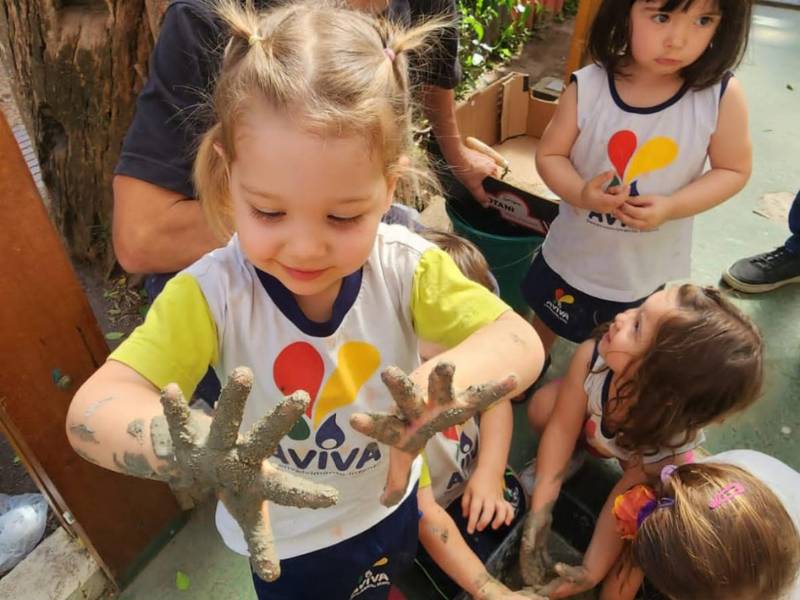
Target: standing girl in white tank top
x: 628, y: 151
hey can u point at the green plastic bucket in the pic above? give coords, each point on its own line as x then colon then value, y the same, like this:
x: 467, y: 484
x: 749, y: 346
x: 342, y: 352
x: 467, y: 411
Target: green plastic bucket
x: 508, y: 248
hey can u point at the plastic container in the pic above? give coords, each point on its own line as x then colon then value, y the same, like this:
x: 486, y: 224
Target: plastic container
x: 508, y: 248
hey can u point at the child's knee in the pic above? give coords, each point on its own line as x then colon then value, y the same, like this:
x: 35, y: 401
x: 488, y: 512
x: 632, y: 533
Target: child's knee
x: 541, y: 404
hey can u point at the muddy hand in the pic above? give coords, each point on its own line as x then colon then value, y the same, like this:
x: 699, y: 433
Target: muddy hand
x: 234, y: 466
x: 534, y: 559
x: 419, y: 420
x: 571, y: 580
x: 492, y: 589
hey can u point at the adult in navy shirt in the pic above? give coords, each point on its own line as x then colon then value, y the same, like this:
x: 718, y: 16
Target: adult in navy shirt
x: 158, y: 225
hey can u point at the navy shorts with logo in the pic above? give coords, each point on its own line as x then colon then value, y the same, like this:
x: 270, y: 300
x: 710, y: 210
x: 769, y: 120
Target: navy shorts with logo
x: 567, y: 311
x: 363, y: 567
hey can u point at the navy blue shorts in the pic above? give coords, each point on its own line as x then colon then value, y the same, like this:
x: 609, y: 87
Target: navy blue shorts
x: 363, y: 567
x: 482, y: 543
x: 567, y: 311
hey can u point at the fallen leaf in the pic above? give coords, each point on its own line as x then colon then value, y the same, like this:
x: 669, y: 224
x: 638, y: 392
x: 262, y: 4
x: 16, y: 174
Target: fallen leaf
x: 181, y: 581
x: 114, y: 335
x: 16, y: 460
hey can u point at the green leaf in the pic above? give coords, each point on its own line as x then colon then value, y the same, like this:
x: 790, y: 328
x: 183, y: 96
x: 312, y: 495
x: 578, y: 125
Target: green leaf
x: 181, y: 581
x: 115, y: 335
x: 16, y: 460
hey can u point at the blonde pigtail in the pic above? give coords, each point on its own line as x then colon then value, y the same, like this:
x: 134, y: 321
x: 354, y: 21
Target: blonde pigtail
x: 212, y: 183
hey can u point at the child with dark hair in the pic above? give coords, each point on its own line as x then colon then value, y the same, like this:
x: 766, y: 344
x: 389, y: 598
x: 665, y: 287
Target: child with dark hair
x: 626, y: 152
x: 724, y: 527
x: 641, y: 391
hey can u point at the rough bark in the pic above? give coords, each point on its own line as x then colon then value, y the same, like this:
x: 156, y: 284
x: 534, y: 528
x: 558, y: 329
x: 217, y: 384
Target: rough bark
x: 78, y: 66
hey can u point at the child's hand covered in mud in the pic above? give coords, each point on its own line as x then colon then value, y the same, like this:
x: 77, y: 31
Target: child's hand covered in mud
x: 418, y: 420
x: 494, y: 590
x: 534, y: 558
x: 571, y: 580
x: 209, y: 454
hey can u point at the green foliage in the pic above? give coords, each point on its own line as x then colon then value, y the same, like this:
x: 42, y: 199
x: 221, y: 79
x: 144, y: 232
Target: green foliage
x: 491, y: 32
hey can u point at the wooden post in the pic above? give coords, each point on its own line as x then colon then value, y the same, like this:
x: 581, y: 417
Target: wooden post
x: 50, y: 344
x: 587, y: 9
x: 77, y: 67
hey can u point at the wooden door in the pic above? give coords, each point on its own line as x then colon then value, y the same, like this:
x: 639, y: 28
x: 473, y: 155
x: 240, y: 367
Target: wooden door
x: 49, y: 344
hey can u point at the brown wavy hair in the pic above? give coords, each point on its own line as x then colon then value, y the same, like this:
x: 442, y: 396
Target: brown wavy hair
x: 705, y: 363
x: 746, y: 548
x: 609, y: 39
x: 335, y: 71
x: 467, y: 256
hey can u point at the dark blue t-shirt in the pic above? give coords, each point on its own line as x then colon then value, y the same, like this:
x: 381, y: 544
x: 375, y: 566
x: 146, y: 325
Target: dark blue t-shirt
x: 172, y: 113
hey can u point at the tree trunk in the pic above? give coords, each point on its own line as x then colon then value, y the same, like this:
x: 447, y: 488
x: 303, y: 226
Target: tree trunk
x: 78, y: 66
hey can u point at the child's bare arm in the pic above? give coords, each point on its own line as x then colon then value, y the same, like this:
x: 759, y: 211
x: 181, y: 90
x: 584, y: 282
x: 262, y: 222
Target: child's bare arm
x: 731, y: 155
x: 441, y: 538
x: 110, y: 422
x: 623, y: 582
x: 483, y: 499
x: 603, y: 551
x: 554, y: 164
x: 562, y: 430
x: 606, y: 545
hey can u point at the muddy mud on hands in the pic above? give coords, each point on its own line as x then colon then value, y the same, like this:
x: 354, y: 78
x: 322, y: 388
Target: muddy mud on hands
x: 212, y: 456
x: 418, y: 420
x: 534, y: 559
x: 490, y: 588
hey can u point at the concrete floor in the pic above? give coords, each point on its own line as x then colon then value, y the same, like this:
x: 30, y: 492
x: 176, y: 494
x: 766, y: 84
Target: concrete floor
x: 723, y: 235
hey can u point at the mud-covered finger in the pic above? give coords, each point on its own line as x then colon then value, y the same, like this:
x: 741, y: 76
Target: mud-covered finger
x: 484, y: 395
x: 290, y: 490
x: 447, y: 418
x: 264, y: 437
x: 387, y: 429
x: 440, y: 384
x: 253, y: 518
x: 397, y: 477
x: 176, y: 411
x: 229, y: 409
x: 406, y: 394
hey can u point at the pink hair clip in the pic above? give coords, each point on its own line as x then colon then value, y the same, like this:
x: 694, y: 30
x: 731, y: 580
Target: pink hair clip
x: 390, y: 54
x: 726, y: 494
x: 667, y: 472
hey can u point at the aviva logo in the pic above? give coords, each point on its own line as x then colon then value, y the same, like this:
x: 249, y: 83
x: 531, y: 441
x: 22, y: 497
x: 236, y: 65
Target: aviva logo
x: 556, y: 306
x: 563, y: 298
x: 300, y: 367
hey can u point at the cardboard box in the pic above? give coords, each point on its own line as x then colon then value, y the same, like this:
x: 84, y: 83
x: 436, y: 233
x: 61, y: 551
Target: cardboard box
x: 508, y: 117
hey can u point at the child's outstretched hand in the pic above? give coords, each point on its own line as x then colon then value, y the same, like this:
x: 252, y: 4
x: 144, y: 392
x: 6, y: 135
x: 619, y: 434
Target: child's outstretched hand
x: 483, y: 502
x: 211, y: 455
x: 419, y: 419
x: 534, y: 558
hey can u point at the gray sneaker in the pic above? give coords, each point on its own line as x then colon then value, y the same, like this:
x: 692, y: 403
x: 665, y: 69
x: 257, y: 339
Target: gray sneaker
x: 764, y: 272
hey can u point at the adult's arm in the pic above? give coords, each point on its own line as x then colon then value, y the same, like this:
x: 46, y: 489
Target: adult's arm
x: 158, y: 226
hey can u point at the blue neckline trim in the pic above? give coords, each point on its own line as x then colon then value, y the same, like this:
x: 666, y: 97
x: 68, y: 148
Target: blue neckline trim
x: 285, y: 301
x: 643, y: 110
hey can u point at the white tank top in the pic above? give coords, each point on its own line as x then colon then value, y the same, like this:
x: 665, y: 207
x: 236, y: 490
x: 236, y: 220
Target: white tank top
x: 657, y: 150
x: 602, y: 443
